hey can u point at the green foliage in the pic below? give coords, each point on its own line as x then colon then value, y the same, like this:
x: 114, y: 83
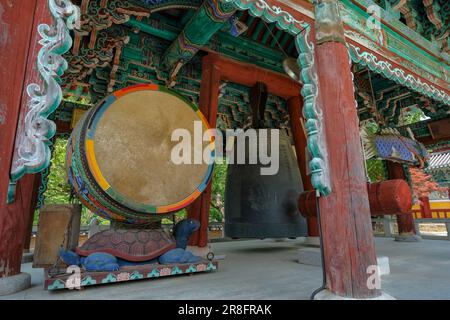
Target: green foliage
x: 58, y: 189
x: 218, y: 192
x: 412, y: 115
x: 376, y: 170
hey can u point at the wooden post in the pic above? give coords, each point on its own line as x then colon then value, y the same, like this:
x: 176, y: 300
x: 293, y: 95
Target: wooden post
x: 36, y: 182
x: 347, y: 235
x: 18, y: 47
x: 209, y: 103
x: 425, y: 208
x: 405, y: 222
x: 295, y: 106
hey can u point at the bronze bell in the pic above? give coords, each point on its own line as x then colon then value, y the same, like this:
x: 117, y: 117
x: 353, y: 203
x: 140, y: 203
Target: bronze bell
x: 264, y: 206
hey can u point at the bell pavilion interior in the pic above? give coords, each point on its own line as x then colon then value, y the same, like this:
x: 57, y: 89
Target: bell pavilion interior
x: 357, y: 91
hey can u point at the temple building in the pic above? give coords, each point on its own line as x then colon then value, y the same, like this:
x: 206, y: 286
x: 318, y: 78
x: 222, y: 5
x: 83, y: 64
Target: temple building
x: 353, y: 86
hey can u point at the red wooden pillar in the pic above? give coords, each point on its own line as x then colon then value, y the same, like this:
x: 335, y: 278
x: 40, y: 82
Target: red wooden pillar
x: 18, y: 47
x: 209, y: 103
x: 425, y: 208
x: 405, y: 222
x: 349, y: 249
x: 30, y: 206
x: 295, y: 106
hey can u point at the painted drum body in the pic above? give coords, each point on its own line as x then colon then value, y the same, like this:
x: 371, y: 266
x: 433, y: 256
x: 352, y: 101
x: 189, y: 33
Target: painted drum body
x: 119, y: 156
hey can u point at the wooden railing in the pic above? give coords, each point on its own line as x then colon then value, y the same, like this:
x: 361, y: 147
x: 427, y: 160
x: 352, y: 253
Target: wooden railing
x: 389, y: 221
x: 442, y: 213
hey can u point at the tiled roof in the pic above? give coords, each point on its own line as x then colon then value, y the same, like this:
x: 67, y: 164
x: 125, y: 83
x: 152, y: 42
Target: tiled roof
x: 439, y: 160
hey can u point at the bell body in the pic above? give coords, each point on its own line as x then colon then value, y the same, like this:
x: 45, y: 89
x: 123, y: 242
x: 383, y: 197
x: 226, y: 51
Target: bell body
x: 264, y: 206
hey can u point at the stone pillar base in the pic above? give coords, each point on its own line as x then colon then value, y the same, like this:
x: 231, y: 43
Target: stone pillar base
x: 13, y: 284
x: 27, y: 257
x: 407, y: 237
x: 328, y: 295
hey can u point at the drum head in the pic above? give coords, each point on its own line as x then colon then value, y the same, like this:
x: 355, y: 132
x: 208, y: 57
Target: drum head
x: 129, y: 149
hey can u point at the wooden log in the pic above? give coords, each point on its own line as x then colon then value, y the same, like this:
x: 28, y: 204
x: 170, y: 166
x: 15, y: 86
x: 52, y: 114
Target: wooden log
x: 405, y: 223
x: 385, y: 198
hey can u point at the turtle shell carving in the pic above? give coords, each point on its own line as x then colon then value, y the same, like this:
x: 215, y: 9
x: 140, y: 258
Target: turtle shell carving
x: 129, y: 244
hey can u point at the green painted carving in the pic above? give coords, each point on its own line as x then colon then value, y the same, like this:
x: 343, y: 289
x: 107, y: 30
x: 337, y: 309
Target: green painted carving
x: 397, y: 75
x: 301, y: 30
x: 328, y: 24
x: 156, y: 5
x: 100, y: 15
x: 208, y: 19
x: 430, y: 18
x: 395, y: 37
x: 33, y: 152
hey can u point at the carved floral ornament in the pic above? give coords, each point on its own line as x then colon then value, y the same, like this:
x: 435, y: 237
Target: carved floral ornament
x: 32, y: 144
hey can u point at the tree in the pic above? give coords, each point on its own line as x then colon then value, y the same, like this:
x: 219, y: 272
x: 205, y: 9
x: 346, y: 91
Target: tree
x: 423, y: 183
x: 218, y: 192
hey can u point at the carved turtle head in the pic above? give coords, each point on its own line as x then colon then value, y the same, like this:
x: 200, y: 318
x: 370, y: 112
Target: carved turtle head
x: 183, y: 230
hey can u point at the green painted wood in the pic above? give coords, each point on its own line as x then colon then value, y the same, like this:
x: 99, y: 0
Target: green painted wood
x: 207, y: 20
x: 257, y: 30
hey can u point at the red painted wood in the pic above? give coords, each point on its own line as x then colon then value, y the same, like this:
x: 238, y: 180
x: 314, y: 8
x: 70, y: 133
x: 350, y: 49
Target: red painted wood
x: 345, y: 214
x: 18, y: 36
x: 405, y: 223
x: 295, y: 106
x: 390, y: 197
x: 31, y: 208
x: 209, y: 104
x: 385, y: 198
x: 425, y: 208
x: 248, y: 74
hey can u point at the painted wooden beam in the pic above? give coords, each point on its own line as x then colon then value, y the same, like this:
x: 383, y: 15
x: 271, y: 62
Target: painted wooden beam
x: 257, y: 31
x: 268, y: 32
x: 207, y: 20
x: 247, y: 74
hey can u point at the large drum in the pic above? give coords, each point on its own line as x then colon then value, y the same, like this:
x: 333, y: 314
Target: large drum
x: 119, y: 156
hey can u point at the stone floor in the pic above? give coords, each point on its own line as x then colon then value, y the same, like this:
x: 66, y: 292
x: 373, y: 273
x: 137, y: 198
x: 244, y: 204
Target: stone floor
x: 266, y: 269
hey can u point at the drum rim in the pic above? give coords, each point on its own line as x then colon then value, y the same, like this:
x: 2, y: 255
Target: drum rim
x: 109, y: 191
